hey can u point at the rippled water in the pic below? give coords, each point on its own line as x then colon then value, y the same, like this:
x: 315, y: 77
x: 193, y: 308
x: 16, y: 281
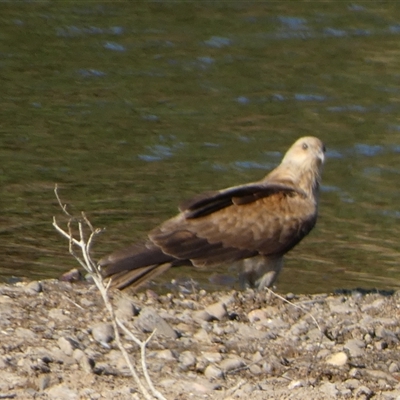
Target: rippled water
x: 132, y: 107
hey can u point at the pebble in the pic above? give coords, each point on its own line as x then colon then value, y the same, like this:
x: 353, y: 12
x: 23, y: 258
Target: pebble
x: 33, y: 287
x: 65, y: 345
x: 62, y: 392
x: 337, y: 359
x: 217, y: 310
x: 103, y: 333
x: 355, y: 347
x: 213, y: 372
x: 149, y: 320
x: 231, y: 363
x: 166, y: 355
x: 329, y: 390
x: 25, y: 334
x: 126, y: 309
x: 187, y: 360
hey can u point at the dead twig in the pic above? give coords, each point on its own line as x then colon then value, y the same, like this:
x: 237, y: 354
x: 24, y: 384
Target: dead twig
x: 91, y: 267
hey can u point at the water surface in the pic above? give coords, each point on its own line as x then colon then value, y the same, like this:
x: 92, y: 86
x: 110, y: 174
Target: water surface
x: 132, y: 107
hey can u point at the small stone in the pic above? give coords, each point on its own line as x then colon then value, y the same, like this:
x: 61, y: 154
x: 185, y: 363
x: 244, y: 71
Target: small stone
x: 363, y: 391
x: 381, y: 345
x: 231, y: 363
x: 217, y: 310
x: 329, y: 389
x: 255, y: 369
x: 255, y: 316
x: 355, y: 347
x: 73, y: 275
x: 393, y: 367
x: 212, y: 372
x: 25, y: 334
x: 149, y: 320
x: 83, y: 360
x: 33, y: 287
x: 187, y: 360
x: 126, y: 309
x: 65, y: 345
x: 62, y: 392
x: 103, y: 333
x: 166, y: 355
x: 44, y: 382
x: 377, y: 374
x: 295, y: 384
x: 355, y: 373
x: 203, y: 315
x: 212, y: 357
x: 337, y: 359
x: 202, y: 336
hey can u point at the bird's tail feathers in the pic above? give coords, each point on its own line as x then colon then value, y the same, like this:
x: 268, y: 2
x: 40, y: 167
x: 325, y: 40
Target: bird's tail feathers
x: 135, y: 265
x: 139, y: 276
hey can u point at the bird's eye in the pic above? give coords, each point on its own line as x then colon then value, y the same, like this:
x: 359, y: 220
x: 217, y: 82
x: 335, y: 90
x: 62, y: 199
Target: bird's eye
x: 305, y: 146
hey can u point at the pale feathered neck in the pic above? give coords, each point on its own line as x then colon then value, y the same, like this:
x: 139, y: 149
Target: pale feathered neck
x: 305, y: 177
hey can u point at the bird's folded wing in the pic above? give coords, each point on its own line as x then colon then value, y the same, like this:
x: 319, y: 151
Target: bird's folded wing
x: 238, y: 222
x: 209, y: 202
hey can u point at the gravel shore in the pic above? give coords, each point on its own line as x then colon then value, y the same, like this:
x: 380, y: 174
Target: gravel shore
x: 57, y: 343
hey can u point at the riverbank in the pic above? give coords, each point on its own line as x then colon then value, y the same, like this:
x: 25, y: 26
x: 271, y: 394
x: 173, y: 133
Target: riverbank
x: 56, y: 343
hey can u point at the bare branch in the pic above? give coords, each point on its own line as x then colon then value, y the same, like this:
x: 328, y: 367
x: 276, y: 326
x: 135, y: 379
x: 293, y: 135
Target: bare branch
x: 92, y: 268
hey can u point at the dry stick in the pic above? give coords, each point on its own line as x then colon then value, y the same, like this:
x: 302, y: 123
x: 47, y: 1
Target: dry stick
x: 143, y: 355
x: 91, y: 267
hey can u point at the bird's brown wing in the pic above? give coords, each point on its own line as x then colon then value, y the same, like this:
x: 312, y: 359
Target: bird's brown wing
x: 209, y: 202
x: 238, y: 222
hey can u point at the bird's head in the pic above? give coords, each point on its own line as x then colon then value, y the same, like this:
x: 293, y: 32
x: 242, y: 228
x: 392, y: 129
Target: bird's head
x: 306, y: 152
x: 302, y: 164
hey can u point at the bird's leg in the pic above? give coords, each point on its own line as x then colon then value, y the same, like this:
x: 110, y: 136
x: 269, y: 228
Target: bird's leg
x: 260, y: 271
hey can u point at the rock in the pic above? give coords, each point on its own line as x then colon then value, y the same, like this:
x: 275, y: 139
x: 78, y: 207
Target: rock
x: 337, y: 359
x: 393, y: 367
x: 44, y: 382
x: 355, y: 347
x: 255, y: 369
x: 300, y: 328
x: 62, y: 392
x: 352, y: 384
x: 377, y: 374
x: 103, y: 333
x: 202, y: 336
x: 363, y: 392
x: 212, y: 357
x: 25, y: 334
x: 166, y: 355
x: 149, y: 320
x: 329, y: 390
x: 73, y: 275
x: 33, y: 287
x: 381, y: 345
x: 187, y: 360
x: 203, y: 315
x: 217, y: 310
x: 83, y: 360
x: 212, y: 372
x: 295, y: 384
x: 126, y: 309
x: 255, y: 316
x: 231, y: 363
x: 65, y: 345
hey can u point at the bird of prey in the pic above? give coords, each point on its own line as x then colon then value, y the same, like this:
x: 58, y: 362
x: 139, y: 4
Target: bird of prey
x: 256, y: 223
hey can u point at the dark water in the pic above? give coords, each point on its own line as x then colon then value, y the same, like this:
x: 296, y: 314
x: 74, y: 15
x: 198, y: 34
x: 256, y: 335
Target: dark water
x: 133, y: 106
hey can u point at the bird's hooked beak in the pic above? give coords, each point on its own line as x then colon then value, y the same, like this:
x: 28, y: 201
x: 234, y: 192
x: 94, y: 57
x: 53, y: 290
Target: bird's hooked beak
x: 321, y: 154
